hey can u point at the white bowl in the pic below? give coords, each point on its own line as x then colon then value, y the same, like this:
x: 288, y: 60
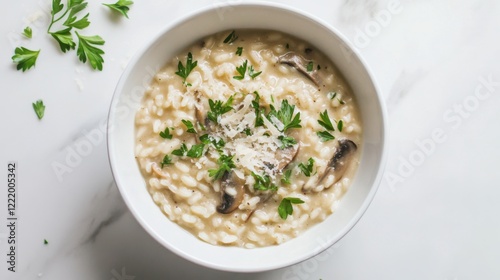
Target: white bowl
x: 178, y: 36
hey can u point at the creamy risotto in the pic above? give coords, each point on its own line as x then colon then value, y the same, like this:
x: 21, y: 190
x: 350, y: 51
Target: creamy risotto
x: 248, y: 138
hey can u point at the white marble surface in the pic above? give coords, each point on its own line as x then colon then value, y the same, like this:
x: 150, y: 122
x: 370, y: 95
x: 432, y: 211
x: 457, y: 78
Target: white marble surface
x: 435, y: 215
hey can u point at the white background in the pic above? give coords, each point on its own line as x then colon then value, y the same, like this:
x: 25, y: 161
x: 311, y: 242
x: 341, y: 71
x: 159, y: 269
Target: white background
x: 435, y: 215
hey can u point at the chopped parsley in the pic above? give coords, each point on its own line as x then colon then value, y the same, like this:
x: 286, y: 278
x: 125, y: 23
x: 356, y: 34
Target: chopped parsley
x: 27, y: 32
x: 190, y: 126
x: 286, y: 177
x: 263, y: 183
x: 285, y: 208
x: 258, y: 114
x: 286, y: 141
x: 39, y: 109
x: 209, y: 139
x: 307, y: 169
x: 285, y: 116
x: 196, y: 151
x: 166, y: 160
x: 182, y: 151
x: 252, y: 74
x: 310, y: 66
x: 340, y: 125
x: 239, y: 51
x: 241, y: 70
x: 45, y: 242
x: 166, y: 133
x: 225, y: 165
x: 332, y: 94
x: 325, y: 136
x: 184, y: 72
x: 230, y: 38
x: 217, y: 108
x: 325, y: 121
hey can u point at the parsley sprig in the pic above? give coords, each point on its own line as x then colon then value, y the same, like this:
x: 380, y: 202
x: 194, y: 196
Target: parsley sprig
x: 286, y: 177
x: 242, y: 70
x: 39, y: 108
x: 166, y: 160
x: 231, y: 38
x: 25, y: 58
x: 209, y: 139
x: 184, y: 72
x: 307, y: 169
x: 263, y: 183
x: 196, y: 151
x: 285, y: 208
x: 325, y: 122
x: 226, y: 163
x: 190, y: 126
x: 27, y: 32
x: 166, y: 133
x: 285, y: 115
x: 122, y: 6
x: 218, y: 108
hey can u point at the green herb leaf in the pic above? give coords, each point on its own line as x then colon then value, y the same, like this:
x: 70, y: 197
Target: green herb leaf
x: 71, y: 20
x: 27, y: 32
x: 239, y: 51
x: 258, y: 114
x: 217, y: 108
x: 325, y: 121
x: 190, y: 126
x: 225, y: 165
x: 286, y: 177
x: 45, y: 242
x: 341, y: 101
x: 64, y: 39
x: 122, y: 6
x: 209, y: 139
x: 56, y: 7
x: 286, y: 141
x: 166, y: 160
x: 247, y: 131
x: 310, y: 66
x: 196, y: 151
x: 263, y: 183
x: 230, y: 38
x: 307, y: 169
x: 252, y: 74
x: 182, y: 151
x: 325, y: 136
x: 285, y: 115
x: 241, y: 70
x: 340, y: 125
x: 87, y: 50
x: 39, y: 109
x: 25, y: 58
x: 166, y: 134
x: 285, y: 208
x: 184, y: 72
x: 332, y: 94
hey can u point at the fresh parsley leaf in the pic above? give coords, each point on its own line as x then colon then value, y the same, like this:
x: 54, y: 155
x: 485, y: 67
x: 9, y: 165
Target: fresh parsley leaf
x: 25, y: 58
x: 196, y: 151
x: 87, y: 50
x: 341, y: 101
x: 56, y: 7
x: 325, y: 136
x: 230, y: 38
x: 258, y: 114
x: 225, y: 165
x: 310, y: 66
x: 64, y: 39
x: 184, y: 72
x: 217, y: 108
x: 340, y: 125
x: 325, y: 121
x: 121, y: 6
x: 166, y: 134
x: 241, y: 70
x: 45, y: 242
x: 166, y: 160
x: 239, y: 51
x: 332, y: 94
x: 27, y: 32
x: 263, y: 183
x: 252, y: 73
x: 209, y: 139
x: 182, y: 151
x: 39, y: 109
x: 285, y: 208
x: 307, y: 169
x: 247, y: 131
x: 286, y: 141
x: 190, y: 126
x: 285, y: 115
x: 286, y: 177
x: 75, y: 8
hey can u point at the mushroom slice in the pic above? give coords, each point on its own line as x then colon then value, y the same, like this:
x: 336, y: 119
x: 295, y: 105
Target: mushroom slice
x: 337, y: 166
x: 285, y: 156
x: 300, y: 63
x: 232, y: 191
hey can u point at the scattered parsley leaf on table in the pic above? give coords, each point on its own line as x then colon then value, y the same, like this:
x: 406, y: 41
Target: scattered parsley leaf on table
x: 39, y: 108
x: 87, y: 50
x: 27, y: 32
x: 25, y: 58
x: 121, y: 6
x: 45, y: 242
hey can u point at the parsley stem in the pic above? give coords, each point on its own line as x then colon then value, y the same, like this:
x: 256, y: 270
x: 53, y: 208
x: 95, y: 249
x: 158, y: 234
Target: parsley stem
x: 52, y: 21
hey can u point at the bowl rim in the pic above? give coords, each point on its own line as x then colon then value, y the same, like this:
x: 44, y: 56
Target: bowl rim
x: 383, y: 135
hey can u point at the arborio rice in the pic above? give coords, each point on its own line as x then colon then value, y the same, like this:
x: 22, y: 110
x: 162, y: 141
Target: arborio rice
x: 248, y: 138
